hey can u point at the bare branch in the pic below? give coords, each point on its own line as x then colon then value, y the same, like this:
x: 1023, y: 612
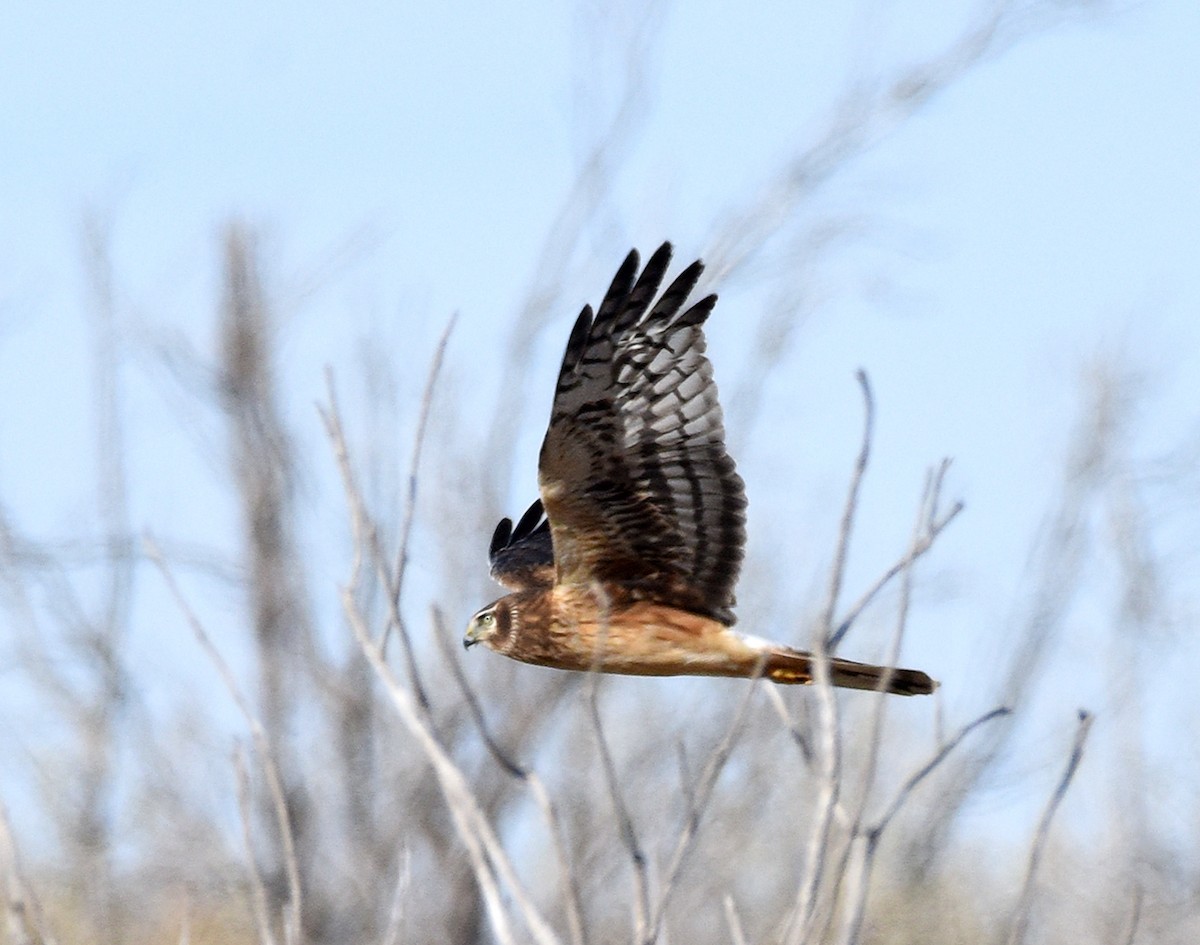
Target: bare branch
x: 930, y: 766
x: 572, y: 898
x: 1021, y: 914
x: 861, y: 878
x: 736, y: 936
x: 933, y: 527
x: 866, y: 113
x: 927, y: 509
x: 798, y: 737
x: 366, y: 538
x: 262, y: 743
x: 698, y: 799
x: 1135, y: 915
x: 805, y: 912
x: 838, y: 571
x: 391, y: 935
x: 22, y: 912
x: 410, y: 497
x: 641, y: 881
x: 489, y: 861
x: 258, y: 891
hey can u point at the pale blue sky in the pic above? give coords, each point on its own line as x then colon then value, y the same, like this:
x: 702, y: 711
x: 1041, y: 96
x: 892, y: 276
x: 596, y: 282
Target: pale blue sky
x: 1045, y: 209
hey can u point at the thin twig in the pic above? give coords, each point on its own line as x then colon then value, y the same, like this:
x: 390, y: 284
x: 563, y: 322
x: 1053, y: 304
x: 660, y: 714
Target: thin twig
x: 641, y: 877
x: 641, y: 882
x: 489, y: 861
x: 698, y: 799
x: 391, y: 934
x: 828, y: 756
x: 366, y: 538
x: 804, y: 913
x: 736, y: 936
x: 1135, y: 915
x: 872, y: 835
x: 572, y: 896
x: 25, y: 921
x: 785, y: 716
x: 410, y: 498
x: 262, y: 743
x: 838, y: 572
x: 258, y: 889
x: 926, y: 769
x: 926, y: 511
x: 1020, y: 923
x: 506, y: 762
x: 921, y: 544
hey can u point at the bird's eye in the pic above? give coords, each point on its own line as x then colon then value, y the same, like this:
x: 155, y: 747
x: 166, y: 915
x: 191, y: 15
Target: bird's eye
x: 487, y: 619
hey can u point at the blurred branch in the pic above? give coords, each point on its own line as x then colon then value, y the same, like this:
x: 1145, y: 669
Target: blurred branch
x: 641, y: 882
x: 930, y: 766
x: 366, y: 537
x: 591, y: 186
x: 805, y: 912
x: 391, y: 935
x: 489, y: 861
x: 861, y: 878
x: 262, y: 744
x: 827, y: 640
x: 111, y: 445
x: 804, y: 915
x: 1020, y: 920
x: 922, y: 527
x: 736, y: 936
x: 697, y: 800
x: 572, y: 900
x: 24, y: 921
x: 258, y: 892
x: 410, y: 497
x: 264, y: 474
x: 933, y: 527
x: 867, y: 112
x: 1135, y: 916
x: 793, y: 728
x: 1056, y: 569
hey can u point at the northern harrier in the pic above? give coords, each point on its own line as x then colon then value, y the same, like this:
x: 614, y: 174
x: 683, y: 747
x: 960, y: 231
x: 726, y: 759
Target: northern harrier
x: 633, y: 567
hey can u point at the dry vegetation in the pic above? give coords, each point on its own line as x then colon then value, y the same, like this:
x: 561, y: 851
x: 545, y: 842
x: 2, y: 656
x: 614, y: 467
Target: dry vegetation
x: 378, y: 791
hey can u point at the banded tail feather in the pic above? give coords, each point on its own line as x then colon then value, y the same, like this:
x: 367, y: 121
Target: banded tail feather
x: 792, y: 666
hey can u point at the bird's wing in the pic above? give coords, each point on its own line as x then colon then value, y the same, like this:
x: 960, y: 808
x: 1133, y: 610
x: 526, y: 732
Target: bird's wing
x: 640, y: 493
x: 522, y: 558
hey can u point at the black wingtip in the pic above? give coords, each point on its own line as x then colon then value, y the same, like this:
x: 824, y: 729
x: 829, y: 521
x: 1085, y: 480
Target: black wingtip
x: 500, y: 537
x: 529, y: 521
x: 698, y: 313
x: 661, y: 256
x: 506, y: 534
x: 578, y: 340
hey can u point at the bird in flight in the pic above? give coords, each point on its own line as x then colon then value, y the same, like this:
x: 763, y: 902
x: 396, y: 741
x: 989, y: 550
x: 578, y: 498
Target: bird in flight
x: 627, y: 562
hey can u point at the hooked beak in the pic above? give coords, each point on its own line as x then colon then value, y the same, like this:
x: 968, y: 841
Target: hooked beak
x: 469, y: 639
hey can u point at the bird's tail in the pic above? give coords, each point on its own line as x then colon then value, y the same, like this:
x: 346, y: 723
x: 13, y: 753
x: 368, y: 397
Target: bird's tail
x: 792, y: 666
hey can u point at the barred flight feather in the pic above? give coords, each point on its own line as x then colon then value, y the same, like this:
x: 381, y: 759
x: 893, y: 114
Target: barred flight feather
x: 637, y: 429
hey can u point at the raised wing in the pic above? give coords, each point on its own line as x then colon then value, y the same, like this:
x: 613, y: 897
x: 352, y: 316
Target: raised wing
x: 522, y: 558
x: 637, y: 485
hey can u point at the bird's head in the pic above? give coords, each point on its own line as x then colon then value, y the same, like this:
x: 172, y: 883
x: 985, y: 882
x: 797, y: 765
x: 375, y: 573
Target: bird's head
x: 492, y: 626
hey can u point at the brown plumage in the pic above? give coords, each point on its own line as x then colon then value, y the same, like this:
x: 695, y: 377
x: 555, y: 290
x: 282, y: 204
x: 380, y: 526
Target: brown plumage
x: 632, y: 569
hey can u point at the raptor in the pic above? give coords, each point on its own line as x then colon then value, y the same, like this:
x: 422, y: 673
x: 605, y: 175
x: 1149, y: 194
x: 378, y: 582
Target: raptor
x: 628, y: 560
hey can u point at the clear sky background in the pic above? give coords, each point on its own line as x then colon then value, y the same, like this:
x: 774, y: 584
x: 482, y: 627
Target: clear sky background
x: 409, y: 161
